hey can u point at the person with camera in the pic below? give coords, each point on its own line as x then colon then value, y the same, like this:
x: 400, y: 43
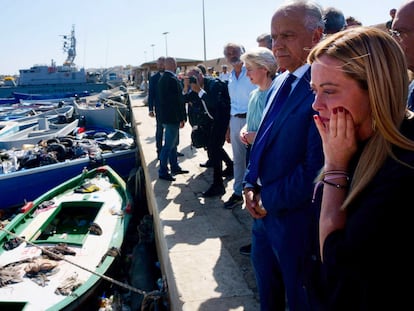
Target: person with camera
x: 208, y: 92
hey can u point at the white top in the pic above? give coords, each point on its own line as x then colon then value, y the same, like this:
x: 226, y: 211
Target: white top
x: 224, y: 76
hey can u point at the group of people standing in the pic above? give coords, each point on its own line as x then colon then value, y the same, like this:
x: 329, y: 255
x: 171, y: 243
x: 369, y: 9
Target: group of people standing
x: 323, y: 158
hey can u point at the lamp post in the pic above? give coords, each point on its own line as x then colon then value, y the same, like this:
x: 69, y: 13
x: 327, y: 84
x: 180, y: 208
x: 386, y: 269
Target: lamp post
x: 166, y: 44
x: 204, y: 33
x: 152, y: 45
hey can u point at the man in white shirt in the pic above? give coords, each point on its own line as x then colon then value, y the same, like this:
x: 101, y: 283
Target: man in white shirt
x: 224, y: 74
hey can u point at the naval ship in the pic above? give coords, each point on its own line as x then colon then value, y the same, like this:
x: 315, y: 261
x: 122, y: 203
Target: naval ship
x: 55, y: 79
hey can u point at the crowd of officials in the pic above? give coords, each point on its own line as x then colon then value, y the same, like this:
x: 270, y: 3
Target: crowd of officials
x: 321, y: 127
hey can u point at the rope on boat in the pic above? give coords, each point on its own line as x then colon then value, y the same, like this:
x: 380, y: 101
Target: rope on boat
x: 155, y: 293
x: 121, y: 115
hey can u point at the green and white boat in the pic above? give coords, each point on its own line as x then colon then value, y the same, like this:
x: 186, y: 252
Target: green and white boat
x: 58, y: 248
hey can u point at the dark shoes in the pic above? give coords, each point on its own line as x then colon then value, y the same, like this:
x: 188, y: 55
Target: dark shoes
x: 228, y: 172
x: 233, y: 201
x: 214, y: 190
x: 180, y: 171
x: 207, y: 164
x: 166, y: 177
x: 179, y: 154
x: 170, y: 177
x: 246, y: 250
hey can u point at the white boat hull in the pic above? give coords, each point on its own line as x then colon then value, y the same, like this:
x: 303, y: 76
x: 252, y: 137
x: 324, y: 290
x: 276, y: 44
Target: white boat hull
x: 35, y: 134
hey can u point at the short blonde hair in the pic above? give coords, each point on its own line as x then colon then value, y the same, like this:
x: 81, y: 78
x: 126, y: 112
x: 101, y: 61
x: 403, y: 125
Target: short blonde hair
x: 261, y: 57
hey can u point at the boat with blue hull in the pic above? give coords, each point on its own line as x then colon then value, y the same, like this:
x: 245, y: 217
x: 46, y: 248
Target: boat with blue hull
x: 25, y: 185
x: 55, y: 79
x: 24, y: 174
x: 51, y: 97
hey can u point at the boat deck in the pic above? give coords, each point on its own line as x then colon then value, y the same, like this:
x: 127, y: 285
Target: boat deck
x: 197, y: 239
x: 64, y: 215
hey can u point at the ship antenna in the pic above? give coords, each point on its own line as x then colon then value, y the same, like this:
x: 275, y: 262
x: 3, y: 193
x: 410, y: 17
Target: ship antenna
x: 69, y: 47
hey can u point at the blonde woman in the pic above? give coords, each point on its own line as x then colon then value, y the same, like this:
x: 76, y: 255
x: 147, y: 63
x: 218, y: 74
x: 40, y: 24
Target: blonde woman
x: 261, y: 69
x: 359, y: 77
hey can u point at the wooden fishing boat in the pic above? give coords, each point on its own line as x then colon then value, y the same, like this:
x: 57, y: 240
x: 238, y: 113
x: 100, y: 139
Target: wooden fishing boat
x: 8, y: 101
x: 57, y: 249
x: 12, y: 112
x: 102, y: 112
x: 60, y: 159
x: 44, y: 130
x: 8, y: 127
x: 53, y: 115
x: 56, y: 97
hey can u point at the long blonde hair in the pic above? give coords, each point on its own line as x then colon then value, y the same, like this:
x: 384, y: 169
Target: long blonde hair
x: 375, y: 60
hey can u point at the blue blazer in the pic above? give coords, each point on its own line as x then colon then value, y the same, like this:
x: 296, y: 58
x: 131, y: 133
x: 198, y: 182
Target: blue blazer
x: 293, y: 153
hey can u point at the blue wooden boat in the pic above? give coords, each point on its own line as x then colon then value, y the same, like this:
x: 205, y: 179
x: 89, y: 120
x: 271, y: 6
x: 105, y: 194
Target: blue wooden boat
x: 26, y: 173
x: 53, y: 96
x: 8, y: 101
x: 12, y: 112
x: 53, y: 115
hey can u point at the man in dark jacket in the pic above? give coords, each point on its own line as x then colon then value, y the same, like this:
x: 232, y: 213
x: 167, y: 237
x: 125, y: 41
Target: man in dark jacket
x: 153, y: 102
x: 212, y: 93
x: 172, y: 115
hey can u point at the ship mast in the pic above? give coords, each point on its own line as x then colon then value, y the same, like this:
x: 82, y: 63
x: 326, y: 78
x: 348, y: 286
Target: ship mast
x: 69, y: 46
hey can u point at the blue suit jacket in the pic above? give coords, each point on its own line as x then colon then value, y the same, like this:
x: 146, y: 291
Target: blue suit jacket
x: 293, y: 153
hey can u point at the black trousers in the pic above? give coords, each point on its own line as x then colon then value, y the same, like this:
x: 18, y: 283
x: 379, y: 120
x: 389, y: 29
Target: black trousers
x: 216, y: 152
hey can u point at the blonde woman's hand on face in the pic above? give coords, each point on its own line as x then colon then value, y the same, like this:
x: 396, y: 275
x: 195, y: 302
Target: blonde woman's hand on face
x: 338, y: 138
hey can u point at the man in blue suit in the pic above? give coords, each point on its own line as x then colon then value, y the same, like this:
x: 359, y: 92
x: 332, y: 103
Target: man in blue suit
x: 285, y: 159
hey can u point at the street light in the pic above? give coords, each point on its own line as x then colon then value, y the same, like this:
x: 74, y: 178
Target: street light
x: 166, y: 44
x: 204, y: 33
x: 152, y: 45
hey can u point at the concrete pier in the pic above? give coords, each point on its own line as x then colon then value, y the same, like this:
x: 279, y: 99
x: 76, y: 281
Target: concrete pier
x: 197, y: 239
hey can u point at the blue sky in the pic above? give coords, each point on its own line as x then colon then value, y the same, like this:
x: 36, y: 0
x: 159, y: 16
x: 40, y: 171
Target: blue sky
x: 130, y: 32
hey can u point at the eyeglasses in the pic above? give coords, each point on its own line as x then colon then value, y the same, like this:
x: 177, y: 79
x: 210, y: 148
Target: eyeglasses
x: 399, y: 34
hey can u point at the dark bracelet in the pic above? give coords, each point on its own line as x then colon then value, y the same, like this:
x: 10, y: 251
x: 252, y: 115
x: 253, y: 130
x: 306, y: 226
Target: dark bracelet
x: 337, y: 186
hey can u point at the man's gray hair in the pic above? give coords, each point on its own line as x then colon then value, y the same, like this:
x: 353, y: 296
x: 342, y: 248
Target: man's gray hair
x: 313, y: 12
